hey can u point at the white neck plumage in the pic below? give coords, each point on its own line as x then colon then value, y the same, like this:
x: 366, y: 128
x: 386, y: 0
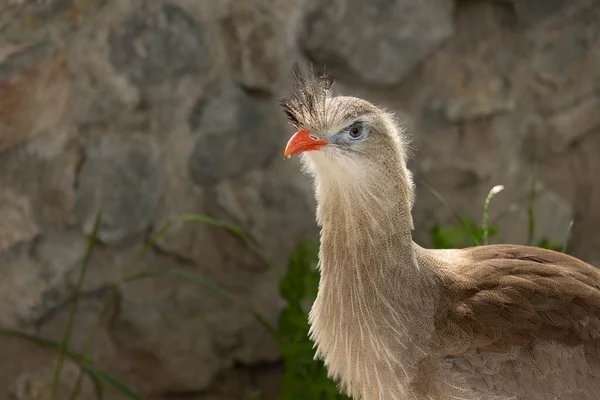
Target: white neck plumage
x: 371, y: 294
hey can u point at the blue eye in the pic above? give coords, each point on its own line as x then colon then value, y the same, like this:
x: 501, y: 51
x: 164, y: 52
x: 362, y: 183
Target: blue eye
x: 355, y: 131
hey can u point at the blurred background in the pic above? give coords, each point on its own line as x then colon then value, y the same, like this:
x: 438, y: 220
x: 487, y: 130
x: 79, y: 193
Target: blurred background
x: 153, y: 240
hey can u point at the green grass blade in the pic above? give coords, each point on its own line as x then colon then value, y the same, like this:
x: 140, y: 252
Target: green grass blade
x: 74, y: 306
x: 568, y: 237
x: 459, y: 219
x: 98, y: 388
x: 96, y: 383
x: 233, y: 229
x: 149, y: 244
x: 189, y: 275
x: 42, y: 343
x: 271, y: 330
x: 203, y: 219
x: 100, y: 322
x: 96, y: 374
x: 110, y: 381
x: 77, y: 388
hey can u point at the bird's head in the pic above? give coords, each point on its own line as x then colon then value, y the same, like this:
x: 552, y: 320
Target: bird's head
x: 344, y: 140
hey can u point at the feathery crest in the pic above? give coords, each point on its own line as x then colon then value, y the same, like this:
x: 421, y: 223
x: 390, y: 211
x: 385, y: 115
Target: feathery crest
x: 308, y: 105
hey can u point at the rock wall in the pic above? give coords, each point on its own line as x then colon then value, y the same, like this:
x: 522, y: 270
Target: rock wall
x: 152, y: 109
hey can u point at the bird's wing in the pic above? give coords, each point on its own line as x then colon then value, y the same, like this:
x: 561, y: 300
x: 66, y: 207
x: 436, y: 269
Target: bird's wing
x: 501, y: 296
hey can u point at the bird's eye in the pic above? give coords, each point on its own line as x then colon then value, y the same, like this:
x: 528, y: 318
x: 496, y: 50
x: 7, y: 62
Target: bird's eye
x: 355, y: 131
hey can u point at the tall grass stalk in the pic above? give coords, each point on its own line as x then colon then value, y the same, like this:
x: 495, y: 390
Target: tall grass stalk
x: 75, y: 304
x: 56, y: 347
x: 567, y: 237
x: 486, y: 211
x: 531, y: 206
x: 89, y: 346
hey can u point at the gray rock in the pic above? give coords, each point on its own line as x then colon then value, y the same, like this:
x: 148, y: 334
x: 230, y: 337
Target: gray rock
x: 552, y: 215
x: 48, y: 6
x: 572, y: 123
x: 381, y: 41
x: 473, y: 86
x: 17, y: 223
x: 482, y: 97
x: 153, y: 47
x: 43, y: 171
x: 59, y: 252
x: 249, y: 202
x: 557, y: 60
x: 27, y: 21
x: 33, y: 82
x: 255, y: 32
x: 234, y: 135
x: 33, y: 384
x: 20, y: 287
x: 121, y: 176
x: 19, y: 57
x: 35, y: 277
x: 533, y: 11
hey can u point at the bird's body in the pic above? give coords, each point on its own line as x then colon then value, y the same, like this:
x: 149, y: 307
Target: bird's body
x: 393, y: 320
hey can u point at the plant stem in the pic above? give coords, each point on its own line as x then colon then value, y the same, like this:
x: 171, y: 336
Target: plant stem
x: 102, y: 319
x: 564, y: 246
x: 486, y: 211
x: 70, y: 322
x: 531, y: 207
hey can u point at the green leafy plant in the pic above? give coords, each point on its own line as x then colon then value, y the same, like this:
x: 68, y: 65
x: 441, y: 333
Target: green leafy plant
x: 459, y: 236
x: 304, y: 377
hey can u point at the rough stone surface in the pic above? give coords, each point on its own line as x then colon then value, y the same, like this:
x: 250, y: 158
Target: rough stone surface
x: 477, y: 88
x: 16, y: 220
x: 150, y: 110
x: 234, y: 135
x: 121, y: 179
x: 35, y: 277
x: 152, y: 47
x: 533, y: 11
x: 23, y: 22
x: 381, y: 41
x: 46, y: 176
x: 255, y: 32
x: 33, y: 81
x: 574, y: 122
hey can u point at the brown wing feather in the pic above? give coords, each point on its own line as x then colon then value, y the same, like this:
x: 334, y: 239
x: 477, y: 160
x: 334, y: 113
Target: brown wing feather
x: 502, y: 296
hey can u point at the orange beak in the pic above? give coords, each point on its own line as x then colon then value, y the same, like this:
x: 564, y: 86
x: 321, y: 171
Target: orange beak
x: 301, y: 141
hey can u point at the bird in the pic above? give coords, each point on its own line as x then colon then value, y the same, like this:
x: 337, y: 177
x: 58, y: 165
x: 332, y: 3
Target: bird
x: 395, y: 320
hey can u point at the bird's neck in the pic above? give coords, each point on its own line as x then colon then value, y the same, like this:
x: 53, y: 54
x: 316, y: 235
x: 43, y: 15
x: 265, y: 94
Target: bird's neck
x: 366, y: 214
x: 370, y: 277
x: 366, y: 232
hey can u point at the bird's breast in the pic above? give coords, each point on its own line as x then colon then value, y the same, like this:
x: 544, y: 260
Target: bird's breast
x: 367, y: 343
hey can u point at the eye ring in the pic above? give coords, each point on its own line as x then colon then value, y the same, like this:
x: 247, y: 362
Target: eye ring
x: 355, y: 131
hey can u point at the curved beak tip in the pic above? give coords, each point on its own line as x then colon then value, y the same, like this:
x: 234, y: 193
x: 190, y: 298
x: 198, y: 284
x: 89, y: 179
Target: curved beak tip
x: 301, y: 141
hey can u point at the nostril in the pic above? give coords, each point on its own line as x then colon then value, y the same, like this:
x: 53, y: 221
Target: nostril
x: 312, y: 137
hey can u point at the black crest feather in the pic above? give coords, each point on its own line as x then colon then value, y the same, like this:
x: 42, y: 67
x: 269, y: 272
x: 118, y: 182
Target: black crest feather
x: 308, y: 103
